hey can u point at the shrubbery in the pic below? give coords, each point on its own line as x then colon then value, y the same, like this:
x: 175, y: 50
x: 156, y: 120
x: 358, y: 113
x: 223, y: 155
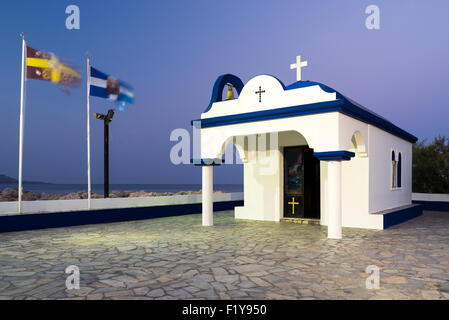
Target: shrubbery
x: 431, y: 166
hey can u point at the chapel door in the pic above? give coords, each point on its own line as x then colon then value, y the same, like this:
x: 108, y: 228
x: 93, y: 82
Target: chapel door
x: 301, y: 183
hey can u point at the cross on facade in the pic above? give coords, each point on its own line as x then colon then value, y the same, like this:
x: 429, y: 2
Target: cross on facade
x: 260, y: 93
x: 293, y: 203
x: 298, y: 65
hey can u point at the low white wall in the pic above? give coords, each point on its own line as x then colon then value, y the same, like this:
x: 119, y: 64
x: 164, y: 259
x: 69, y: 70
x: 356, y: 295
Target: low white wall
x: 440, y: 197
x: 9, y: 208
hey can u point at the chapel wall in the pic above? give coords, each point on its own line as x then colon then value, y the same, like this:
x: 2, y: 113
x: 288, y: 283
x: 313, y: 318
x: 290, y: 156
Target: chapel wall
x: 263, y: 185
x: 382, y: 195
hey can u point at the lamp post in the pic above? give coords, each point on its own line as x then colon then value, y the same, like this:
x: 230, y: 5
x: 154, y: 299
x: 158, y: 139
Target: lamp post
x: 107, y: 118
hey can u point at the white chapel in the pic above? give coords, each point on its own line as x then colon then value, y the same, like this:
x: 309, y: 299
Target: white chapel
x: 308, y: 152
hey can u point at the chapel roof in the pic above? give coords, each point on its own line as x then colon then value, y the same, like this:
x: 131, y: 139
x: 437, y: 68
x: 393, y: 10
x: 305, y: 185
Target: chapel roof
x: 307, y: 83
x: 342, y: 104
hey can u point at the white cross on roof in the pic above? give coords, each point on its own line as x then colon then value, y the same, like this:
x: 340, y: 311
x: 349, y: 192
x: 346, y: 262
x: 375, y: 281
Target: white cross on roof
x: 298, y: 65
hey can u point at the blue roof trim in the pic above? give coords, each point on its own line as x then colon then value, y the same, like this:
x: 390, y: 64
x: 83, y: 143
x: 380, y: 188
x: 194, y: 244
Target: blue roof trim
x: 304, y: 84
x: 340, y: 105
x: 334, y: 155
x: 207, y: 162
x: 219, y: 85
x: 270, y: 114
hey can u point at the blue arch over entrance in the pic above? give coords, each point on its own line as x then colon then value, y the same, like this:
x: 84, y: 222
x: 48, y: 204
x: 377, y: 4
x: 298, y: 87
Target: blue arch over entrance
x: 219, y: 85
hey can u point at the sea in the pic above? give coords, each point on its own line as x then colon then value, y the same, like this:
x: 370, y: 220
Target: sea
x: 98, y: 188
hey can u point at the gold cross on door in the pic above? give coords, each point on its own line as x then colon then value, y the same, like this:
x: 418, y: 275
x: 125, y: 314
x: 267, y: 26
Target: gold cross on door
x: 293, y: 203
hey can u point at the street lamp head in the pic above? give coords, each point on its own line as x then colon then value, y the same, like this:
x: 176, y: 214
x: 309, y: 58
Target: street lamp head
x: 110, y: 114
x: 100, y: 116
x: 105, y: 117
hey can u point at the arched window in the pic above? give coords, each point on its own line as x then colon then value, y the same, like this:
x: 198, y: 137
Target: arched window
x: 399, y: 170
x: 394, y: 170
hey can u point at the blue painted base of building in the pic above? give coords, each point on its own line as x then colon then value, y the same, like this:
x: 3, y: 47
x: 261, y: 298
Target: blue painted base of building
x: 402, y: 215
x: 433, y: 205
x: 77, y: 218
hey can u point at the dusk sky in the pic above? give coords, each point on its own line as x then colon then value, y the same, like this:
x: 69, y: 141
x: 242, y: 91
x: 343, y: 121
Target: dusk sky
x: 173, y: 51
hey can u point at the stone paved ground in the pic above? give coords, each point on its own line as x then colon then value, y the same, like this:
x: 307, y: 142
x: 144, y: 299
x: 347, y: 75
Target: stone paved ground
x: 176, y: 258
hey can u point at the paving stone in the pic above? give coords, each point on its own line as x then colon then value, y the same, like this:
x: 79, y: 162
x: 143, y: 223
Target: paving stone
x: 219, y: 272
x: 120, y: 293
x: 176, y: 258
x: 227, y: 278
x: 156, y: 293
x: 113, y: 283
x: 394, y: 280
x: 260, y: 282
x: 141, y: 291
x: 96, y: 296
x: 208, y: 294
x: 180, y: 294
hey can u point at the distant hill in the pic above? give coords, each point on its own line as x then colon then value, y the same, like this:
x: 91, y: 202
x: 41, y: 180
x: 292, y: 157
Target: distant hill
x: 6, y: 179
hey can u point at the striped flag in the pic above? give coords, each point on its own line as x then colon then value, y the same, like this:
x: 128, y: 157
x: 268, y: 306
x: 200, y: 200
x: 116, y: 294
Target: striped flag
x: 46, y: 66
x: 105, y: 86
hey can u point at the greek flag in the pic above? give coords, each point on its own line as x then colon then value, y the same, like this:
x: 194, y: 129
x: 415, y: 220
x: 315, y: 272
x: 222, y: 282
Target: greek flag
x: 105, y: 86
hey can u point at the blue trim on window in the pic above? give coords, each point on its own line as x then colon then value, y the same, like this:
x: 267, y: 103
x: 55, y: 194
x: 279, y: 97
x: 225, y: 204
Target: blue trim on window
x: 341, y: 105
x: 207, y: 162
x: 399, y: 170
x: 334, y: 155
x: 217, y: 91
x: 402, y: 215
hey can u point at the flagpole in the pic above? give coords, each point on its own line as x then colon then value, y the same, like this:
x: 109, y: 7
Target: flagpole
x: 88, y: 134
x: 22, y: 106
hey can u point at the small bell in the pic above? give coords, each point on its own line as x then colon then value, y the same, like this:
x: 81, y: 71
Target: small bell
x: 230, y: 94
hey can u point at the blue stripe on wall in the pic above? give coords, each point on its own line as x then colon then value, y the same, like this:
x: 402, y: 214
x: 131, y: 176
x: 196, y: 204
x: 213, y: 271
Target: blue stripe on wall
x: 75, y: 218
x: 433, y: 205
x: 339, y: 105
x: 402, y: 215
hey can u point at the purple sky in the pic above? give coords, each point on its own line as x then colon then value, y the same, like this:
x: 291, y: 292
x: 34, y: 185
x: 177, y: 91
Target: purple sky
x: 172, y: 52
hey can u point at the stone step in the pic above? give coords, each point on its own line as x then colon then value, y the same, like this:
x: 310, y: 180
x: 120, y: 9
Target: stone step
x: 301, y: 221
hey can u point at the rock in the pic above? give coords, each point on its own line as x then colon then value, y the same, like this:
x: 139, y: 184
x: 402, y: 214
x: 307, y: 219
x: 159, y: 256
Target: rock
x: 70, y: 196
x: 137, y: 194
x: 126, y: 193
x: 9, y: 194
x: 181, y: 193
x: 30, y: 196
x: 115, y: 194
x: 51, y: 196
